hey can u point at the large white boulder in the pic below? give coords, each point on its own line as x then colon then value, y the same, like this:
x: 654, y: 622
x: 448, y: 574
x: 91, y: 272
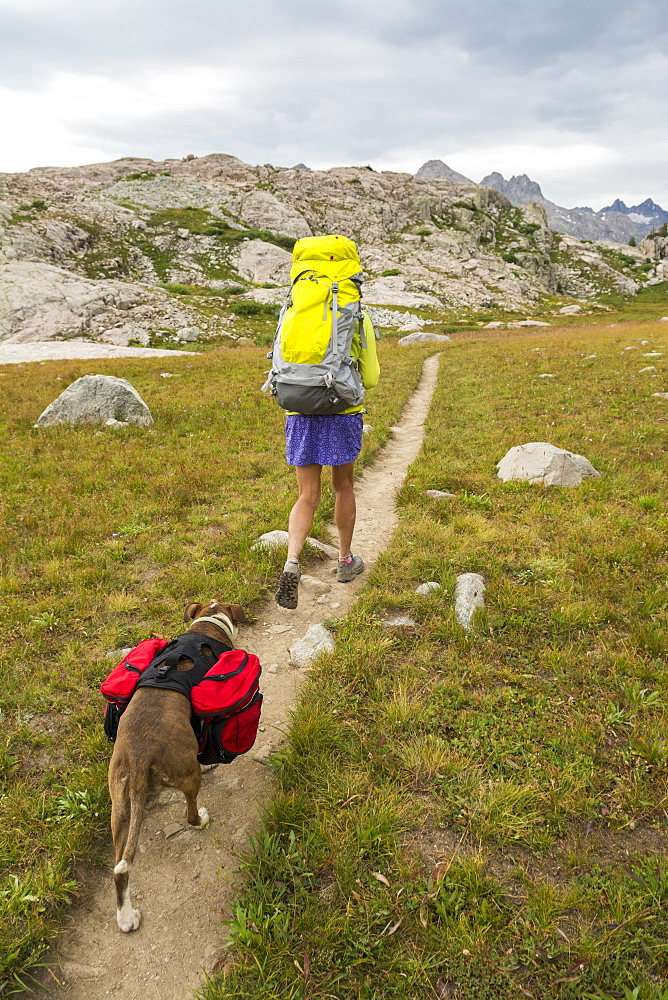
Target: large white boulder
x: 540, y: 462
x: 95, y: 399
x: 317, y: 640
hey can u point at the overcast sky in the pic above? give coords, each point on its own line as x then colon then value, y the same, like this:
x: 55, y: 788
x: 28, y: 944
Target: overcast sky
x: 571, y: 92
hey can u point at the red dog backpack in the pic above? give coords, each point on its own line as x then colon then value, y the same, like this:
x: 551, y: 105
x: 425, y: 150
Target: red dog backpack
x: 225, y: 698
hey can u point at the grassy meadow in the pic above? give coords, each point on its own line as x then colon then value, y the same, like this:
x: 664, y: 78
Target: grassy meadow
x: 106, y: 536
x: 485, y: 816
x: 457, y: 815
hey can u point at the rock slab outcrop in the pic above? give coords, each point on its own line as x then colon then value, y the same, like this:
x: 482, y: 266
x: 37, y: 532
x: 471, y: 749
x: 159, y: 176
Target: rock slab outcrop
x: 97, y: 399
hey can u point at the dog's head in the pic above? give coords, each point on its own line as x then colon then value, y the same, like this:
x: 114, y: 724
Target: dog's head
x: 233, y: 612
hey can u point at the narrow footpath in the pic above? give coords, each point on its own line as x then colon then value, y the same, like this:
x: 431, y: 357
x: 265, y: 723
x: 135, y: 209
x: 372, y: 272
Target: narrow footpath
x: 184, y: 879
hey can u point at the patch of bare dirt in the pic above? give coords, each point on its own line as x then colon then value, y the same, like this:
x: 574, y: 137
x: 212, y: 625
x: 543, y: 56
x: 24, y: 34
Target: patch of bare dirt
x: 184, y: 879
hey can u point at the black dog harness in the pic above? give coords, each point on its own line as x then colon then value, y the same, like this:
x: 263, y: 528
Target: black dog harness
x: 163, y: 671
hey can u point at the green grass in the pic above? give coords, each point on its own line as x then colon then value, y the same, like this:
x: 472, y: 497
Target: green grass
x: 105, y: 537
x: 484, y: 815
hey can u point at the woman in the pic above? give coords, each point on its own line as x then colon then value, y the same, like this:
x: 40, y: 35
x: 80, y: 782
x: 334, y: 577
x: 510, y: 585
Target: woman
x: 335, y: 440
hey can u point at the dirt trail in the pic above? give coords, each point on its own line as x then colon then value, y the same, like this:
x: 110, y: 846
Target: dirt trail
x: 183, y: 878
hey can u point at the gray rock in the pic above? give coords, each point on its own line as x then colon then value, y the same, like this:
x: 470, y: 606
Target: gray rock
x: 424, y: 338
x: 260, y: 261
x: 660, y: 395
x: 317, y: 640
x: 122, y: 335
x: 439, y: 495
x: 570, y: 310
x: 495, y: 325
x: 528, y: 322
x: 388, y: 317
x: 427, y: 588
x: 469, y: 595
x: 540, y: 462
x: 312, y: 585
x: 367, y: 428
x: 327, y: 550
x: 96, y: 399
x: 189, y: 334
x: 271, y: 540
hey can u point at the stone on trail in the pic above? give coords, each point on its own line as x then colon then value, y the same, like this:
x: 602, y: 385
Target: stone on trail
x: 427, y: 588
x: 423, y: 338
x: 317, y: 640
x: 96, y: 399
x: 664, y: 319
x: 660, y: 395
x: 312, y: 585
x: 469, y: 595
x: 540, y: 462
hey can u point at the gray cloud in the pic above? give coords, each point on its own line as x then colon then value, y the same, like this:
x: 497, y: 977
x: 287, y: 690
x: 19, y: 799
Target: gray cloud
x: 383, y: 81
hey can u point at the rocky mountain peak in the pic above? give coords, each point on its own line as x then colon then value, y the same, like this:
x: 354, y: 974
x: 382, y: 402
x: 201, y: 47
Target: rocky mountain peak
x: 437, y: 168
x: 519, y: 189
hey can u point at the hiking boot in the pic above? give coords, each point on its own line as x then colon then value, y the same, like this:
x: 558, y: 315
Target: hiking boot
x: 348, y: 570
x: 287, y: 595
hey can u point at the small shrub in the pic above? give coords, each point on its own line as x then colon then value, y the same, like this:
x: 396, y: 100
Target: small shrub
x: 424, y: 232
x: 354, y: 180
x: 249, y: 308
x: 176, y: 289
x: 390, y: 273
x: 145, y: 175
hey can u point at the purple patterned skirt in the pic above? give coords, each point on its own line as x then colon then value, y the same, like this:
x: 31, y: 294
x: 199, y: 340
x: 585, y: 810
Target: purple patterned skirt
x: 323, y: 440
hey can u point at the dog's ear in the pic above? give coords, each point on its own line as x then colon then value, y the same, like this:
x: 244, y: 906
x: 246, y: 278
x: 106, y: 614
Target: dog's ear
x: 192, y: 610
x: 236, y: 613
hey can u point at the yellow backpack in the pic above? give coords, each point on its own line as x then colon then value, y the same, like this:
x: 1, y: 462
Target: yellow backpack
x: 312, y: 370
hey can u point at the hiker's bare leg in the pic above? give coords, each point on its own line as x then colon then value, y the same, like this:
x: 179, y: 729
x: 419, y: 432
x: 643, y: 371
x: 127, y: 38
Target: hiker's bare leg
x: 344, y: 507
x: 303, y: 512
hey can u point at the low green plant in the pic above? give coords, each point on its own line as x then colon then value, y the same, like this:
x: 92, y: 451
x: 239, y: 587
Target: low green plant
x: 250, y: 308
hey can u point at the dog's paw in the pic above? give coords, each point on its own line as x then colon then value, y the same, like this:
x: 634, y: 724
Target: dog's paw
x: 203, y: 816
x: 128, y: 920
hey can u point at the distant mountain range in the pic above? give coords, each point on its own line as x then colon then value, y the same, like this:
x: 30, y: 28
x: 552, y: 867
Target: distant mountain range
x: 616, y: 222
